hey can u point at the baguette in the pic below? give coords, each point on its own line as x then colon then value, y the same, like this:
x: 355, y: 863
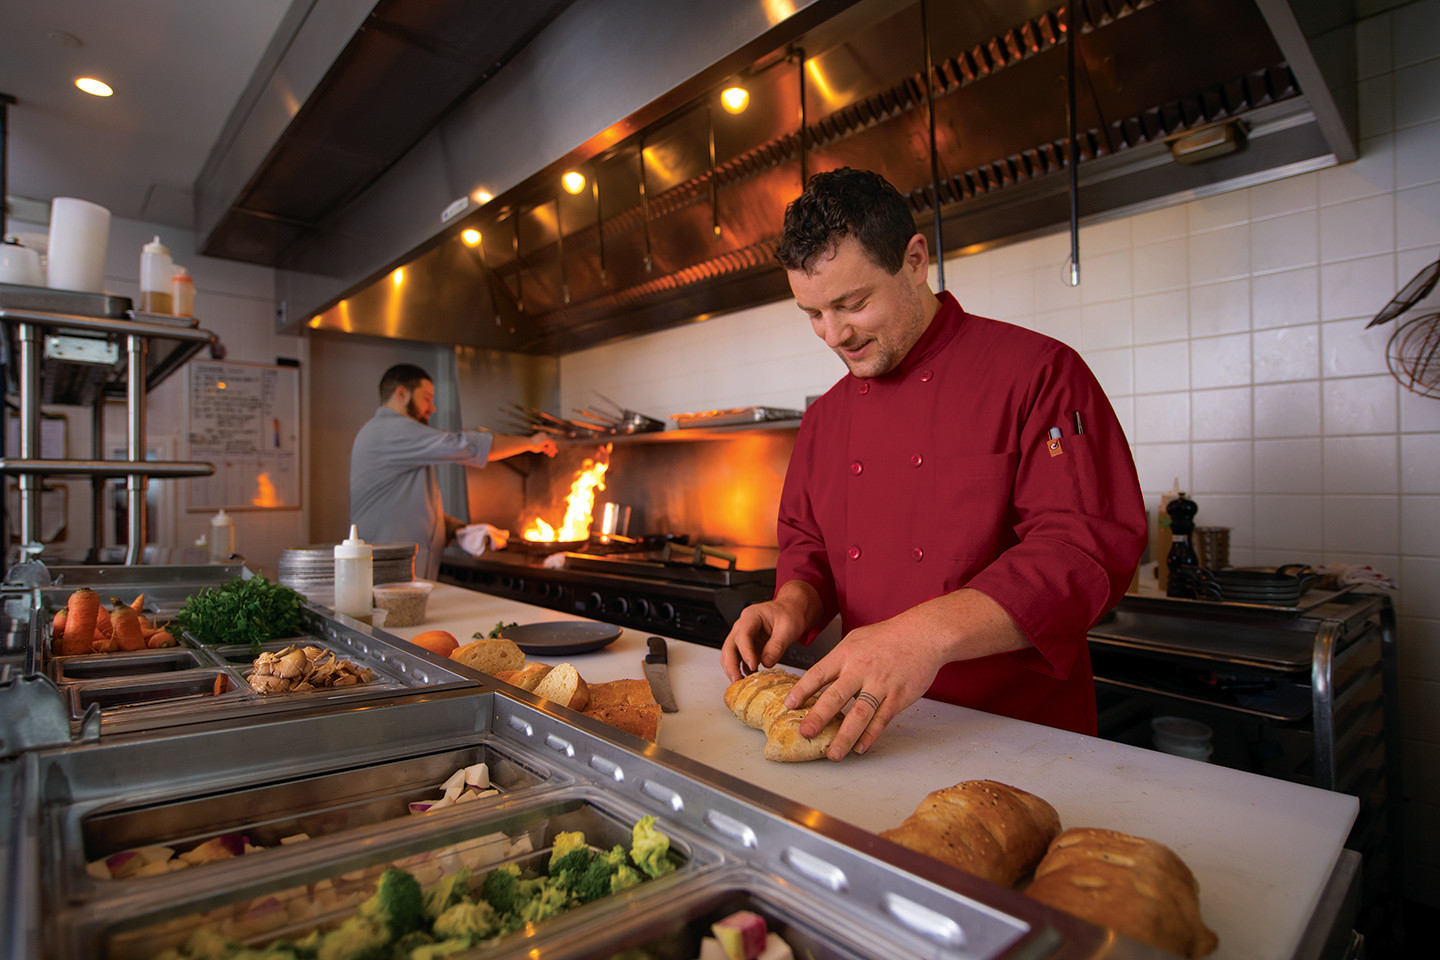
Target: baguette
x: 563, y: 685
x: 1134, y: 886
x: 983, y: 827
x: 490, y: 655
x: 526, y: 679
x: 759, y: 700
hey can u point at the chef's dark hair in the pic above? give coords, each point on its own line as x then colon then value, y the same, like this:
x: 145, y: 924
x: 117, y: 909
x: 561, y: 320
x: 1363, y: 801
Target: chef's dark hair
x: 405, y: 375
x: 846, y: 203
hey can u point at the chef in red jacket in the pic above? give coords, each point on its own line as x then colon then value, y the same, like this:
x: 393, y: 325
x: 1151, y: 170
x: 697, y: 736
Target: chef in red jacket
x: 964, y: 498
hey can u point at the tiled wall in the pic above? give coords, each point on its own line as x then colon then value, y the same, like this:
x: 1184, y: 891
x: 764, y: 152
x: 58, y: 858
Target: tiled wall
x: 1230, y: 334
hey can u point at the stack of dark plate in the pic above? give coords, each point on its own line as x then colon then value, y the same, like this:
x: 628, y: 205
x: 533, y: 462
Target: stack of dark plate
x: 311, y: 570
x: 1282, y: 587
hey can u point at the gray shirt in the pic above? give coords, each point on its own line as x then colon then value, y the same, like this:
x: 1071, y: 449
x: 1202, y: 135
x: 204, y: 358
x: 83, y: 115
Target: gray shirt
x: 394, y: 497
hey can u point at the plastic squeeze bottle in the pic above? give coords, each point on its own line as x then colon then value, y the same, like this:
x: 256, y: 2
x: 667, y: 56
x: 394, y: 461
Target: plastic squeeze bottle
x: 354, y: 577
x: 157, y: 278
x: 222, y: 537
x: 183, y: 292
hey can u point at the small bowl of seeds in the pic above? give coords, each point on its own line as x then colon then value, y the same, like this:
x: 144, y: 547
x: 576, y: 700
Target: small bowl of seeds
x: 404, y: 603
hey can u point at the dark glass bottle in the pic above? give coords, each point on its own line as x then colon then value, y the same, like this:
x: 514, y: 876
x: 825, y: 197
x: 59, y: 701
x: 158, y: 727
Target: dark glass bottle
x: 1182, y: 560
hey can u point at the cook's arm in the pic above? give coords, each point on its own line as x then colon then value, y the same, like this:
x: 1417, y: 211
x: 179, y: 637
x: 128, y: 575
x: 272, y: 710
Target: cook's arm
x: 505, y: 445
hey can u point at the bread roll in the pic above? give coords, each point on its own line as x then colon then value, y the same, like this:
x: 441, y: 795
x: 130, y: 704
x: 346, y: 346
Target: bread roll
x: 490, y: 655
x: 759, y: 700
x: 563, y: 685
x: 1134, y: 886
x: 526, y: 679
x: 626, y: 705
x: 983, y: 827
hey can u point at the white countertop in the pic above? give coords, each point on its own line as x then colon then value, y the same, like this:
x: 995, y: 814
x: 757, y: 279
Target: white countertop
x: 1262, y: 849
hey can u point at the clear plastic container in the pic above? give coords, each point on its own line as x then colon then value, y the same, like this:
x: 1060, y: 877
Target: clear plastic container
x: 183, y: 292
x: 354, y: 577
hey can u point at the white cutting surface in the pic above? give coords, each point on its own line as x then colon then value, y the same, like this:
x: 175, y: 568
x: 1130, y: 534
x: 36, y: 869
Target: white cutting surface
x: 1262, y: 849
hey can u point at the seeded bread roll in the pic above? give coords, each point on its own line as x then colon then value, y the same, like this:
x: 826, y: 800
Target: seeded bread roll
x: 490, y: 655
x: 1134, y: 886
x: 983, y: 827
x: 759, y: 700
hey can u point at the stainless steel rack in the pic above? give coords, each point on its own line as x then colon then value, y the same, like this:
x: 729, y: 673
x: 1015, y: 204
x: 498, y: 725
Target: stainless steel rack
x: 79, y: 348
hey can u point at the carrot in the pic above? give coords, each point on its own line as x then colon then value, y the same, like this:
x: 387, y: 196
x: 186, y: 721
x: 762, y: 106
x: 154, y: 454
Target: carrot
x: 127, y: 628
x: 221, y: 684
x: 82, y: 609
x: 103, y: 626
x: 104, y: 644
x: 138, y: 604
x: 147, y: 627
x: 57, y: 626
x: 160, y: 638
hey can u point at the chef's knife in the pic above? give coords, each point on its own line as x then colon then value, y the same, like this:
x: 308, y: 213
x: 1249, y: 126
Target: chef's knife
x: 657, y: 674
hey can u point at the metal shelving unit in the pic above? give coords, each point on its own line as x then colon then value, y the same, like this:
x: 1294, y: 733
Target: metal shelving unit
x: 84, y: 349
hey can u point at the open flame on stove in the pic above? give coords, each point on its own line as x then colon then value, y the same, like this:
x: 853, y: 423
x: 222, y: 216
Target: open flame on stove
x: 579, y: 504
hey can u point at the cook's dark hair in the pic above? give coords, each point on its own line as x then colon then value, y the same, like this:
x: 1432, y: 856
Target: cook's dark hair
x: 405, y: 375
x: 846, y: 203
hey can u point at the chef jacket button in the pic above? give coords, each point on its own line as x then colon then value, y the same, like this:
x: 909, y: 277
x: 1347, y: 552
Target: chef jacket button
x: 864, y: 387
x: 917, y: 554
x: 857, y: 468
x: 916, y: 459
x: 853, y: 553
x: 926, y: 376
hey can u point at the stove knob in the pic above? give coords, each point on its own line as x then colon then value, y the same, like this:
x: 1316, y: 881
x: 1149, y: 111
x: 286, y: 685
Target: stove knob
x: 642, y: 607
x: 620, y: 605
x: 666, y: 611
x: 594, y: 601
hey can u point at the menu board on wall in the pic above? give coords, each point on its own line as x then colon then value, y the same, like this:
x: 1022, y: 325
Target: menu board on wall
x: 245, y: 419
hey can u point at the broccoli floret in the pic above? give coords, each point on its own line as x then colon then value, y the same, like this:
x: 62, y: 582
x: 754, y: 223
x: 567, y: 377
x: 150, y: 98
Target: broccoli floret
x: 594, y: 882
x: 565, y: 842
x: 502, y: 888
x: 451, y: 889
x: 572, y: 865
x: 616, y: 856
x: 649, y: 848
x: 403, y: 947
x: 550, y: 899
x: 356, y: 939
x: 444, y: 948
x: 624, y: 876
x: 206, y: 944
x: 466, y: 919
x: 279, y: 950
x: 397, y: 904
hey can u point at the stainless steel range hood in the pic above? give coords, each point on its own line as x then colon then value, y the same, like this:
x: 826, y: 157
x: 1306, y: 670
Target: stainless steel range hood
x: 682, y: 202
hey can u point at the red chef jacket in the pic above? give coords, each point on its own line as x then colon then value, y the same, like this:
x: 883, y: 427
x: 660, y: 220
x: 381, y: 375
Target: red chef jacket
x: 941, y: 474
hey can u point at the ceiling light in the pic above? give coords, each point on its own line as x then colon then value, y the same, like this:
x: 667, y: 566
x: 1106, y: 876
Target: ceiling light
x: 398, y: 277
x: 471, y: 237
x: 573, y: 182
x: 90, y: 85
x: 483, y: 196
x: 735, y: 99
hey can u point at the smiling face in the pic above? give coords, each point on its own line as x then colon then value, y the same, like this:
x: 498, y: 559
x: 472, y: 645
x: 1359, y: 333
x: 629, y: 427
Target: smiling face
x: 869, y: 317
x: 417, y: 404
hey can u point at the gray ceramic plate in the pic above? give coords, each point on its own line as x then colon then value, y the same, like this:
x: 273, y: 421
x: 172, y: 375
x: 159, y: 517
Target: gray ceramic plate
x: 562, y: 637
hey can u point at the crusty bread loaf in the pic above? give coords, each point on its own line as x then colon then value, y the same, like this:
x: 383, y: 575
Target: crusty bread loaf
x: 759, y: 700
x: 1134, y: 886
x: 563, y: 684
x: 527, y: 678
x: 983, y: 827
x: 626, y: 705
x: 490, y: 655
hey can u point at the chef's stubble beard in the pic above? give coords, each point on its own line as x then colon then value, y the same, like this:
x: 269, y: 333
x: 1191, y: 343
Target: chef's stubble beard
x: 889, y: 354
x: 414, y: 412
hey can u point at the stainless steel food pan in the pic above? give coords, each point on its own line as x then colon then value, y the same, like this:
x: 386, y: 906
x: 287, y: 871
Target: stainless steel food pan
x: 112, y: 666
x: 168, y: 692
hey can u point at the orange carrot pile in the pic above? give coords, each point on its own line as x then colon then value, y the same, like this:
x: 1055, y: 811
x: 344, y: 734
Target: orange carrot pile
x: 84, y: 626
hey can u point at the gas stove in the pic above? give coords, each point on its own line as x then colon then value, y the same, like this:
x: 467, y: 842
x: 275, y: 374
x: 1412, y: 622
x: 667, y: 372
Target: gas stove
x: 682, y: 591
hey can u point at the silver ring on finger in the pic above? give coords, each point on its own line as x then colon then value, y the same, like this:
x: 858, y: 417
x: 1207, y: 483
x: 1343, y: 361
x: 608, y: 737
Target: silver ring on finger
x: 870, y: 699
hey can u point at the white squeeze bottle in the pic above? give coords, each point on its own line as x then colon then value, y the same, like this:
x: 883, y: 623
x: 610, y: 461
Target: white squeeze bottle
x: 222, y: 537
x: 157, y: 278
x: 354, y: 577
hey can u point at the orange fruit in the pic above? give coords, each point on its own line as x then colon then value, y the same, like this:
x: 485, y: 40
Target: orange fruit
x: 436, y: 641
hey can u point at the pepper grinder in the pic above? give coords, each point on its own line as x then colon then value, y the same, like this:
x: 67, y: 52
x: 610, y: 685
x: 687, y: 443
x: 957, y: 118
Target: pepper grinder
x: 1182, y: 557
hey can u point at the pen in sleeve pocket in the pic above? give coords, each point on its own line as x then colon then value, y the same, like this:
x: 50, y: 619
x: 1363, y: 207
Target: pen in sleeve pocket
x: 1079, y: 427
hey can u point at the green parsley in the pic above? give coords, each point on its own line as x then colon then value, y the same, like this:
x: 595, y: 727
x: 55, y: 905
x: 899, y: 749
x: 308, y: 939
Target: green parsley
x: 242, y: 611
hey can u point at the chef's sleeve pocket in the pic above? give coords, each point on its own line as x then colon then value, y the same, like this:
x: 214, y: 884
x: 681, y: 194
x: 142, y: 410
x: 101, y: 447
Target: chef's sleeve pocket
x: 971, y: 500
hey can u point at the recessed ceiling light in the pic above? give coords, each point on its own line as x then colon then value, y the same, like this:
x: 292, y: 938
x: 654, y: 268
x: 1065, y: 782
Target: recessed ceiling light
x: 735, y: 99
x: 471, y: 237
x: 90, y: 85
x: 574, y: 181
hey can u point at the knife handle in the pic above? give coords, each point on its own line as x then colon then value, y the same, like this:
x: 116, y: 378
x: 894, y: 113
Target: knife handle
x: 657, y: 652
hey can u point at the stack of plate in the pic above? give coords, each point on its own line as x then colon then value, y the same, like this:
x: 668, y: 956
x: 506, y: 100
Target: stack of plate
x: 311, y: 570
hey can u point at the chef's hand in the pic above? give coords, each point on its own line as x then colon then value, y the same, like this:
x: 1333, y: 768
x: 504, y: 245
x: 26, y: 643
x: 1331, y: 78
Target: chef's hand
x: 886, y: 666
x: 543, y: 443
x: 764, y: 631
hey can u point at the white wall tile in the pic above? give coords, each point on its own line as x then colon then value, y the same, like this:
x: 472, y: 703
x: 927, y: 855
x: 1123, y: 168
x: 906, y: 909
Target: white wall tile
x: 1281, y: 299
x: 1162, y: 316
x: 1162, y: 367
x: 1162, y: 265
x: 1286, y: 353
x: 1415, y: 100
x: 1417, y: 216
x: 1105, y: 326
x: 1348, y: 349
x: 1361, y: 525
x: 1287, y: 410
x: 1420, y: 463
x: 965, y: 271
x: 1373, y: 47
x: 1162, y: 418
x: 1288, y: 466
x: 1373, y: 173
x: 1359, y: 228
x: 1347, y: 288
x: 1114, y: 370
x: 1220, y: 361
x: 1221, y: 414
x: 1362, y: 465
x: 1290, y: 523
x: 1160, y: 464
x: 1221, y: 210
x: 1167, y: 223
x: 1011, y: 259
x: 1285, y: 242
x: 1420, y: 594
x: 1420, y: 528
x: 1063, y: 325
x: 1415, y: 151
x: 1104, y: 276
x: 1217, y: 308
x: 1011, y: 298
x: 1222, y: 254
x: 1052, y: 290
x: 1280, y: 197
x: 1108, y: 237
x: 1418, y: 413
x: 1415, y: 27
x: 1225, y: 467
x: 1418, y: 652
x: 1227, y: 510
x: 1377, y: 106
x: 1360, y: 405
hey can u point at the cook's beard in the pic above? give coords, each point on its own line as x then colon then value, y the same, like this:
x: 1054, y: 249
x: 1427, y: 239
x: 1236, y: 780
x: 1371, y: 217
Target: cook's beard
x: 413, y: 412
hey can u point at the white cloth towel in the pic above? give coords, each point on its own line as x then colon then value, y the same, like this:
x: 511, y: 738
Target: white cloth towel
x: 476, y: 538
x: 1361, y: 573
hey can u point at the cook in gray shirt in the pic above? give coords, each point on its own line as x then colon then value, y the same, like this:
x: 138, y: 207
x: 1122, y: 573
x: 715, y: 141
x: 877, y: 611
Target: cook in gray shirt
x: 394, y: 496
